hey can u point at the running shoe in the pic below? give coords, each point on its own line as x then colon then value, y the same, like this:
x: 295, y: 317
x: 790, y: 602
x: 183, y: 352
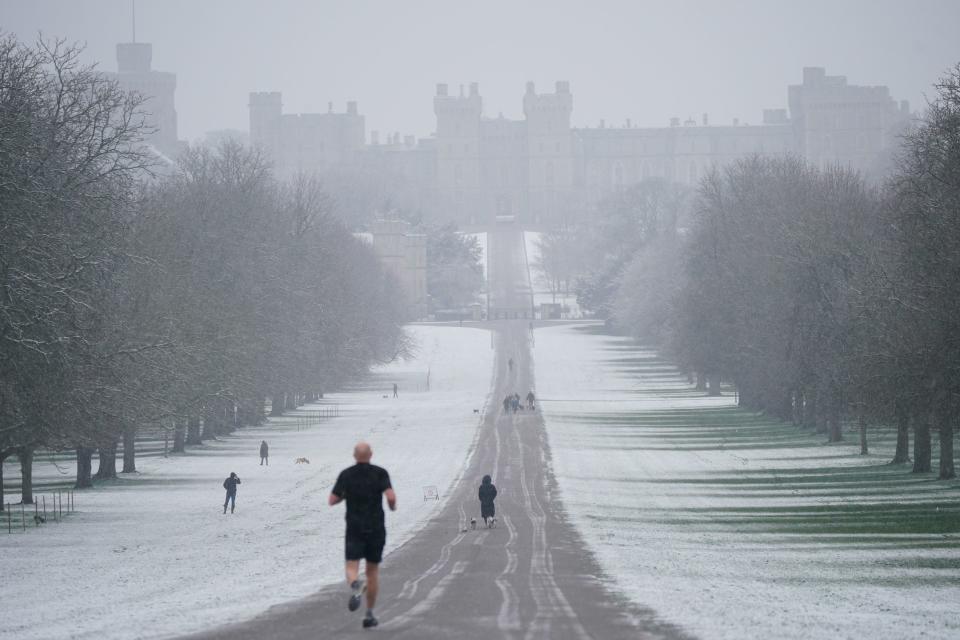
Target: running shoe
x: 356, y: 595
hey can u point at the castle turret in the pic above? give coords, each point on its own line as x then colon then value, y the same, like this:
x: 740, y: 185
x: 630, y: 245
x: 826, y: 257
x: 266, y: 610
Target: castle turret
x: 458, y: 150
x: 135, y: 73
x: 549, y: 148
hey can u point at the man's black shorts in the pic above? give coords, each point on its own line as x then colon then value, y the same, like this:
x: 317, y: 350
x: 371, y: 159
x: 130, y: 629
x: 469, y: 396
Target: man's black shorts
x: 366, y: 545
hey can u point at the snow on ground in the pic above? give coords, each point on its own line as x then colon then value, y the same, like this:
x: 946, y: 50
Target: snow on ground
x: 731, y: 526
x: 154, y: 556
x: 541, y: 288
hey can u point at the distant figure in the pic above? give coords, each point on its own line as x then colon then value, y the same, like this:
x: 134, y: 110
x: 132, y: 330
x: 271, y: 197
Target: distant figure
x: 264, y: 453
x: 510, y: 364
x: 530, y: 400
x: 364, y: 486
x: 516, y: 402
x: 507, y: 403
x: 395, y: 389
x: 230, y: 484
x: 487, y: 494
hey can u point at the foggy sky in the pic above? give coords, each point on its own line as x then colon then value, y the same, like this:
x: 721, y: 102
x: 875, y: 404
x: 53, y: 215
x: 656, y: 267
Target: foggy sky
x: 647, y: 61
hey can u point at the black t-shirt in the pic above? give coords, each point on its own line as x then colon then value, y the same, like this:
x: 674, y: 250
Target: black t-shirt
x: 362, y: 486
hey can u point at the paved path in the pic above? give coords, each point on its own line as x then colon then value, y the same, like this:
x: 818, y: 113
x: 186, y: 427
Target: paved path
x: 529, y: 578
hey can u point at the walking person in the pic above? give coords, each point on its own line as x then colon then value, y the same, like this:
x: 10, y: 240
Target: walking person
x: 487, y: 494
x: 530, y: 399
x: 363, y: 486
x: 264, y: 453
x: 395, y: 389
x: 230, y: 484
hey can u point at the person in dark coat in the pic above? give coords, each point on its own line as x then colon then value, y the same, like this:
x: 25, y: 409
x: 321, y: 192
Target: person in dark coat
x: 530, y: 399
x: 230, y: 484
x: 487, y: 494
x: 264, y: 453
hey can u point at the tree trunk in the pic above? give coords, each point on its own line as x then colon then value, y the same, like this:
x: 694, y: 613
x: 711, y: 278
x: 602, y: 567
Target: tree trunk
x: 84, y: 467
x: 228, y: 417
x: 209, y: 424
x: 862, y: 419
x: 276, y: 404
x: 130, y: 449
x: 902, y: 453
x: 836, y: 424
x: 107, y: 468
x: 701, y: 381
x: 25, y: 454
x: 193, y: 430
x: 2, y: 497
x: 179, y: 436
x: 945, y: 425
x: 921, y: 444
x: 291, y: 402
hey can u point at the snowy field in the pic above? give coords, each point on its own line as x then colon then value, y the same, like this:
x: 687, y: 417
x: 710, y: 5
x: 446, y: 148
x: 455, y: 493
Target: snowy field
x: 541, y: 289
x: 731, y: 526
x: 154, y: 556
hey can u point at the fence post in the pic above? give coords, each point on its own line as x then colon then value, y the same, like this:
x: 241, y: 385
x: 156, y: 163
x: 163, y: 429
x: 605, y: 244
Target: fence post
x: 9, y: 521
x: 44, y: 498
x: 36, y: 512
x: 61, y: 504
x: 23, y: 518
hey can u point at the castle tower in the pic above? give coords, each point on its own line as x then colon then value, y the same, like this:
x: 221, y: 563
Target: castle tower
x: 549, y: 150
x: 458, y: 152
x: 135, y: 73
x: 266, y: 108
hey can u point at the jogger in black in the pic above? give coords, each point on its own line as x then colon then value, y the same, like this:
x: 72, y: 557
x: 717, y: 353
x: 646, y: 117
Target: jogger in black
x: 363, y: 486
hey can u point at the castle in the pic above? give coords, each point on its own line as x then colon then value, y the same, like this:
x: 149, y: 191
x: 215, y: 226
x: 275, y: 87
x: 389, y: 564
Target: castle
x: 541, y: 169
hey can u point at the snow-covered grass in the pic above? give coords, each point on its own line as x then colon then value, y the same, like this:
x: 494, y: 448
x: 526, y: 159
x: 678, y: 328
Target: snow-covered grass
x: 154, y: 556
x: 731, y: 525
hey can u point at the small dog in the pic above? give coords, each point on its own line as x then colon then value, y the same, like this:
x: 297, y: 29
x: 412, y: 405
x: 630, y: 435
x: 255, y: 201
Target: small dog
x: 476, y: 410
x: 473, y: 523
x: 301, y: 461
x: 38, y: 519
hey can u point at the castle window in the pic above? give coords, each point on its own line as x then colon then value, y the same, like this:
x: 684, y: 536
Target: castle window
x: 549, y: 174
